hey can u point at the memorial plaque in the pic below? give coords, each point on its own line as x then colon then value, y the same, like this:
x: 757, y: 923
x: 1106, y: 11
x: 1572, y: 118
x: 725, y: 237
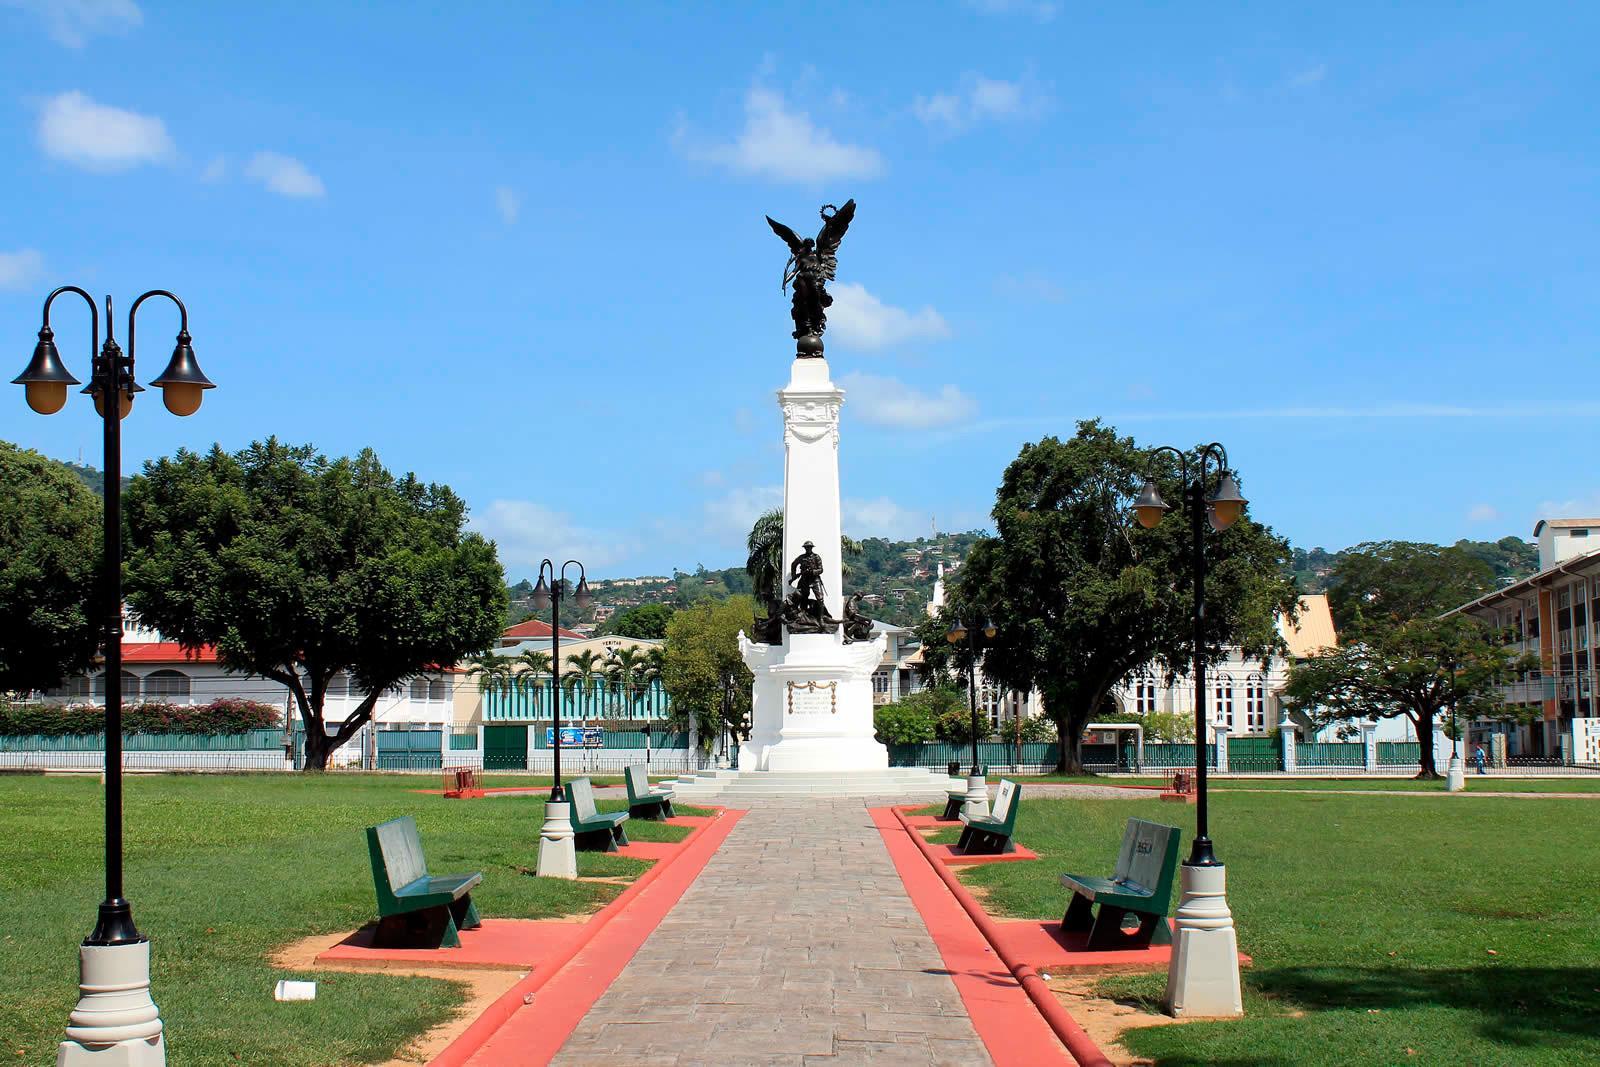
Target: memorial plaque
x: 813, y: 698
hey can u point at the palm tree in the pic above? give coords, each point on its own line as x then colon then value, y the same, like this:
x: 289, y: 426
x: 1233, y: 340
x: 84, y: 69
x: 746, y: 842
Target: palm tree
x: 625, y: 667
x: 535, y: 665
x: 764, y: 563
x: 492, y: 670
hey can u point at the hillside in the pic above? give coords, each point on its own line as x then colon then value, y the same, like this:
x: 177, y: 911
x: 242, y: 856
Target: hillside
x: 1512, y: 559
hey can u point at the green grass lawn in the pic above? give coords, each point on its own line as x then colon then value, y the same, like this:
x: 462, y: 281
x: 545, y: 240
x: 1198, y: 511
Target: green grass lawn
x: 222, y: 871
x: 1475, y: 783
x: 1465, y: 932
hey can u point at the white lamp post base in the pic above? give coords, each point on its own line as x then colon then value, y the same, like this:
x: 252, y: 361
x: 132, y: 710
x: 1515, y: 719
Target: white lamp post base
x: 115, y: 1024
x: 557, y: 856
x: 977, y: 802
x: 1203, y: 978
x: 1455, y: 779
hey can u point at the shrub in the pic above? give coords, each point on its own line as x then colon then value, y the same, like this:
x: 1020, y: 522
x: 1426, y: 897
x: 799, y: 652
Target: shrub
x: 217, y: 717
x: 903, y: 724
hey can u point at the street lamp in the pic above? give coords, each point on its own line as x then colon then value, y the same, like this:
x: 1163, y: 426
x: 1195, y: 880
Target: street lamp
x: 977, y: 801
x: 1455, y: 775
x: 557, y: 858
x: 114, y: 1009
x: 1203, y: 978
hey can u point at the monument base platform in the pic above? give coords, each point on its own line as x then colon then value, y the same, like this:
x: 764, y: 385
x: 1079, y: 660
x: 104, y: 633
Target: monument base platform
x: 811, y: 706
x: 730, y: 787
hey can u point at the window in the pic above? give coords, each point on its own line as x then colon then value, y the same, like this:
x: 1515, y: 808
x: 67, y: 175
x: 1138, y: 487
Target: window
x: 130, y: 685
x: 419, y: 690
x: 1144, y: 694
x: 880, y: 681
x: 166, y: 684
x: 1255, y: 703
x: 339, y: 685
x: 1579, y: 533
x: 438, y: 690
x: 1223, y: 712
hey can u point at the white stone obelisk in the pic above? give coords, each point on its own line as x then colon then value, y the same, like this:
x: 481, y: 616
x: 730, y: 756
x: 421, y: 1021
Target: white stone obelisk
x: 811, y: 708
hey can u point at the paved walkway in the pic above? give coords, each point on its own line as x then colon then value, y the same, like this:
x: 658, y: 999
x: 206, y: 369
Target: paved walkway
x: 796, y: 945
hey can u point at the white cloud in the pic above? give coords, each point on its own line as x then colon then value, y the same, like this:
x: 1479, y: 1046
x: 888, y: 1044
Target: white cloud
x: 979, y: 100
x: 526, y: 532
x: 1038, y: 10
x: 284, y: 175
x: 1483, y: 513
x: 881, y: 517
x: 783, y: 145
x: 860, y: 319
x: 1030, y: 287
x: 1309, y: 77
x: 734, y: 512
x: 19, y: 269
x: 75, y: 129
x: 73, y: 22
x: 216, y: 170
x: 891, y: 402
x: 1578, y: 507
x: 508, y: 203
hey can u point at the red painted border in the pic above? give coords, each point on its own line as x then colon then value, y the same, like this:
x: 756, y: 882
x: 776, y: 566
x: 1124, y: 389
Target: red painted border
x: 1012, y: 1031
x: 504, y: 1034
x: 1050, y: 1011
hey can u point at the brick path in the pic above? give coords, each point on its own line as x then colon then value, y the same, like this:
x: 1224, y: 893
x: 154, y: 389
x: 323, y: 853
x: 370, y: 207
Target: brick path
x: 796, y: 945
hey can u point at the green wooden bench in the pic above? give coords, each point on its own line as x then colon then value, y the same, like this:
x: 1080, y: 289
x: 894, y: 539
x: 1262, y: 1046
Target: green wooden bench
x: 954, y: 800
x: 416, y: 909
x: 989, y: 835
x: 645, y: 801
x: 1140, y: 886
x: 591, y: 830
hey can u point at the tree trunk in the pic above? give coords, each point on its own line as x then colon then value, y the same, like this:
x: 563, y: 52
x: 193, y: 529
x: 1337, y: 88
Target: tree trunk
x: 1071, y: 761
x: 318, y: 748
x: 1424, y: 724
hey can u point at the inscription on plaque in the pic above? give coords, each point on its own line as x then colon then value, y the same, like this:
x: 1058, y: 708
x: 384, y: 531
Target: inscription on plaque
x: 813, y: 698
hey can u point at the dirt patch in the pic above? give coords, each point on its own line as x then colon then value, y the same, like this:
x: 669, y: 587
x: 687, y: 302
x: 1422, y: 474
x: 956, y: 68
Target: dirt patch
x: 1103, y: 1019
x: 483, y: 988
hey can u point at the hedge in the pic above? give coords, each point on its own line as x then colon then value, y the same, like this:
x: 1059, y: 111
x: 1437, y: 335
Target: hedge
x: 217, y: 717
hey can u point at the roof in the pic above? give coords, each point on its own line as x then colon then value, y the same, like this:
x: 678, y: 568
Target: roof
x: 1533, y: 582
x: 1312, y: 633
x: 166, y: 652
x: 534, y: 628
x: 1563, y: 524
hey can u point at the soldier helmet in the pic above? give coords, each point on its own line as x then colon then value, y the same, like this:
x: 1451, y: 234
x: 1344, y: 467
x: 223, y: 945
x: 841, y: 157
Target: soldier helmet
x: 809, y: 544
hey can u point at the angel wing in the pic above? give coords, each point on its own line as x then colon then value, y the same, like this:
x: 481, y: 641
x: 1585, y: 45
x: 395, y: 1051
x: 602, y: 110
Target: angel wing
x: 833, y: 228
x: 790, y: 238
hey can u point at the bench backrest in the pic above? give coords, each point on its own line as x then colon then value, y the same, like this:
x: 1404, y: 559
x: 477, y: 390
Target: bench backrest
x: 396, y: 853
x: 1149, y: 856
x: 1005, y: 803
x: 580, y: 794
x: 638, y: 781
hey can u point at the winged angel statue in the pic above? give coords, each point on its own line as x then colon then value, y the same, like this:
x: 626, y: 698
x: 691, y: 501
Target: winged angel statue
x: 811, y: 266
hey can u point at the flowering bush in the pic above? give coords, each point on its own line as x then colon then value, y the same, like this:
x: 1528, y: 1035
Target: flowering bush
x: 217, y: 717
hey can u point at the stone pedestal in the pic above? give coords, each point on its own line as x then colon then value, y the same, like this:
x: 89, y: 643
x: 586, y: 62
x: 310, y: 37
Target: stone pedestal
x: 977, y: 803
x: 1455, y: 779
x: 1220, y: 737
x: 1290, y: 734
x: 558, y: 857
x: 115, y: 1024
x: 811, y: 709
x: 1203, y: 977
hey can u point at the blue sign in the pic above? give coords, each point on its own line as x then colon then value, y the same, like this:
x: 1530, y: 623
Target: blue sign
x: 576, y: 737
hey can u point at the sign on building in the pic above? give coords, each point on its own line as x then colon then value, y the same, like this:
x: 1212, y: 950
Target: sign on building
x: 1586, y: 741
x: 577, y: 737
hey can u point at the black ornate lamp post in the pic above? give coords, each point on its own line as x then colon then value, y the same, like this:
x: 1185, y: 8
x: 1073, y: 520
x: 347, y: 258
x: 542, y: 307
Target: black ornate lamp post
x: 557, y: 856
x: 115, y: 952
x: 977, y: 800
x: 1206, y: 951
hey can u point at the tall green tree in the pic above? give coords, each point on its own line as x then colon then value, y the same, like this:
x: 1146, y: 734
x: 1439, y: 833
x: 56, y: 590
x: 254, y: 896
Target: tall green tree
x: 50, y: 601
x: 764, y: 556
x: 1082, y: 596
x: 1399, y: 654
x: 701, y: 659
x: 584, y: 668
x: 297, y: 567
x: 647, y: 622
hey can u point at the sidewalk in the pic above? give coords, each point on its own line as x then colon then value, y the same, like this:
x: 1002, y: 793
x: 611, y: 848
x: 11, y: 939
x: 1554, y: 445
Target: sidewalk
x: 796, y: 945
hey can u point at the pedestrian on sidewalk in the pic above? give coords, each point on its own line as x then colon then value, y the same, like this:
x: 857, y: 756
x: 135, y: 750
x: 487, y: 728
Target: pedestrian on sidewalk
x: 1477, y: 758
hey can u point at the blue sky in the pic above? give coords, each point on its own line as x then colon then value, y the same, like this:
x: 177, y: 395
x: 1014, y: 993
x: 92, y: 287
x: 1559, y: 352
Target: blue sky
x: 519, y: 248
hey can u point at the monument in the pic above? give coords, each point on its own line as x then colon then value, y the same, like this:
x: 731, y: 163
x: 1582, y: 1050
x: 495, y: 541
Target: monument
x: 814, y: 653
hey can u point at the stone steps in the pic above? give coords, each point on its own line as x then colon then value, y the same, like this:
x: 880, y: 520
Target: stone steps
x: 733, y: 785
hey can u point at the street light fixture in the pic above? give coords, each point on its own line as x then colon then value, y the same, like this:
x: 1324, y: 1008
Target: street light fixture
x: 557, y: 856
x: 977, y: 799
x: 114, y: 1009
x: 1203, y: 977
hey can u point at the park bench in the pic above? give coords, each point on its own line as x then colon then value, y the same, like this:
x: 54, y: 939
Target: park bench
x: 955, y: 797
x: 1141, y: 886
x: 590, y: 829
x: 416, y: 909
x: 991, y: 834
x: 645, y: 801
